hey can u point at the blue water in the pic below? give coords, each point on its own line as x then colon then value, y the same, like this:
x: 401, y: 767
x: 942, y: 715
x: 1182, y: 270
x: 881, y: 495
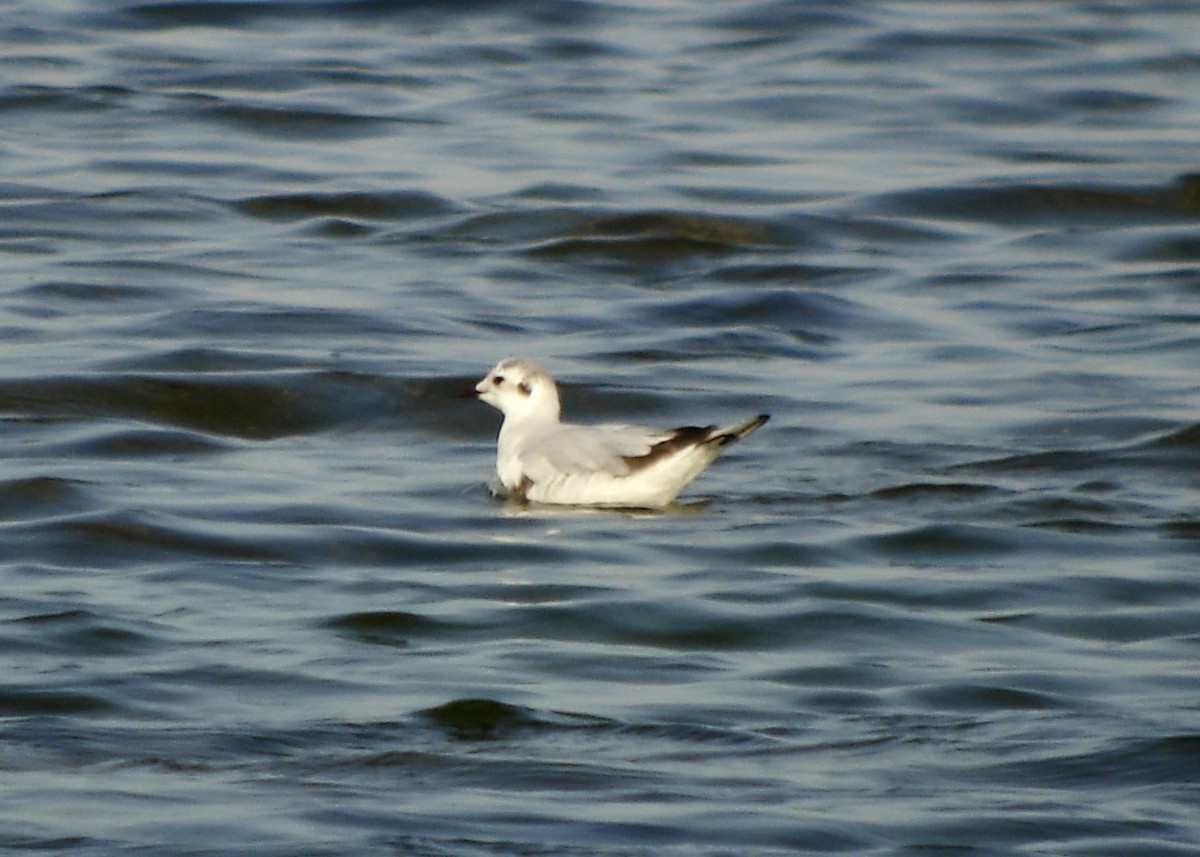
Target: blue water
x: 256, y: 598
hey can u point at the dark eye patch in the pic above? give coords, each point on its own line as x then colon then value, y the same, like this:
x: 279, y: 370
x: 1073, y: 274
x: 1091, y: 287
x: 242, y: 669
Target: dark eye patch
x: 525, y: 388
x: 498, y: 380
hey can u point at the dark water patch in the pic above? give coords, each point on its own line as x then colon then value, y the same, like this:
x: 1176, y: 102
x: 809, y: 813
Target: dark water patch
x: 255, y: 323
x: 560, y: 192
x: 1146, y: 839
x: 252, y: 407
x: 719, y: 627
x: 158, y: 270
x: 540, y: 593
x: 627, y: 253
x: 35, y: 843
x: 774, y: 553
x: 112, y: 539
x: 73, y: 294
x: 33, y: 701
x: 1145, y: 336
x: 675, y: 627
x: 235, y: 14
x: 1120, y: 626
x: 697, y: 158
x: 1040, y: 205
x: 1126, y: 591
x: 260, y: 685
x: 77, y: 634
x: 18, y: 245
x: 575, y: 233
x: 811, y: 317
x: 566, y: 49
x: 185, y: 14
x: 984, y: 698
x: 910, y: 46
x: 508, y: 228
x: 1079, y: 509
x: 793, y: 274
x: 996, y: 111
x: 789, y: 106
x: 933, y: 592
x: 1171, y: 760
x: 736, y: 196
x: 1062, y: 461
x: 1172, y: 247
x: 1107, y: 101
x: 13, y: 191
x: 639, y: 666
x: 1186, y: 529
x: 1185, y: 439
x: 395, y: 628
x: 94, y: 218
x: 780, y: 18
x: 943, y: 542
x: 154, y: 205
x: 178, y: 166
x: 1116, y: 607
x: 702, y: 229
x: 24, y: 98
x: 847, y: 676
x: 1076, y: 514
x: 279, y: 80
x: 140, y: 444
x: 298, y: 122
x: 1082, y: 525
x: 34, y: 497
x: 746, y: 342
x: 338, y: 228
x: 201, y: 360
x: 1177, y: 452
x: 232, y: 13
x: 479, y: 719
x: 1041, y: 155
x: 231, y: 404
x: 1022, y: 825
x: 659, y: 240
x: 298, y: 76
x: 349, y: 206
x: 936, y: 492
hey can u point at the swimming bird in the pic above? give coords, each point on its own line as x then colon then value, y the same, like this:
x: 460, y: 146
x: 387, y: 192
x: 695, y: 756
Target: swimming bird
x: 541, y: 459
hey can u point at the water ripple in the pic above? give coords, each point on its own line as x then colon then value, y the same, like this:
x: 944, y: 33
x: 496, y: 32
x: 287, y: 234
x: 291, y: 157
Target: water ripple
x: 257, y: 598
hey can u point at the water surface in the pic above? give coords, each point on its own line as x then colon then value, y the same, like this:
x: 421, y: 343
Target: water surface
x: 257, y: 599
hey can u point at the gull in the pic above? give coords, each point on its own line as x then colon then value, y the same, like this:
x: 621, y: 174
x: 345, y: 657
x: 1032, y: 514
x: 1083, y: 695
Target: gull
x: 543, y: 460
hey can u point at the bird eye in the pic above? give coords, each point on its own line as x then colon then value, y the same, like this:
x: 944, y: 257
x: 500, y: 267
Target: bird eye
x: 498, y: 380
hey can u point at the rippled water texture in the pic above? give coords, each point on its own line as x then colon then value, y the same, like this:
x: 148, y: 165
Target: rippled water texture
x: 257, y: 599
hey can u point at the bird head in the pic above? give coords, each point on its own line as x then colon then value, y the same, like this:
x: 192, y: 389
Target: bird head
x: 520, y: 389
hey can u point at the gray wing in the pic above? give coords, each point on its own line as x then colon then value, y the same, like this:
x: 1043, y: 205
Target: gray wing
x: 589, y: 449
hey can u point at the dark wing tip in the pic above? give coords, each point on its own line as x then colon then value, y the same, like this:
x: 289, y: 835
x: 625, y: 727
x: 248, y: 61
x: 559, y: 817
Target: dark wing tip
x: 739, y: 431
x: 681, y: 437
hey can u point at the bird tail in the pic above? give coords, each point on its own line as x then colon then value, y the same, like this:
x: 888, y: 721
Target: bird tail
x: 729, y: 434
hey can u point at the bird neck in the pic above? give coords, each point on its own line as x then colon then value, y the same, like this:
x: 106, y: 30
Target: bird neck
x: 531, y: 417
